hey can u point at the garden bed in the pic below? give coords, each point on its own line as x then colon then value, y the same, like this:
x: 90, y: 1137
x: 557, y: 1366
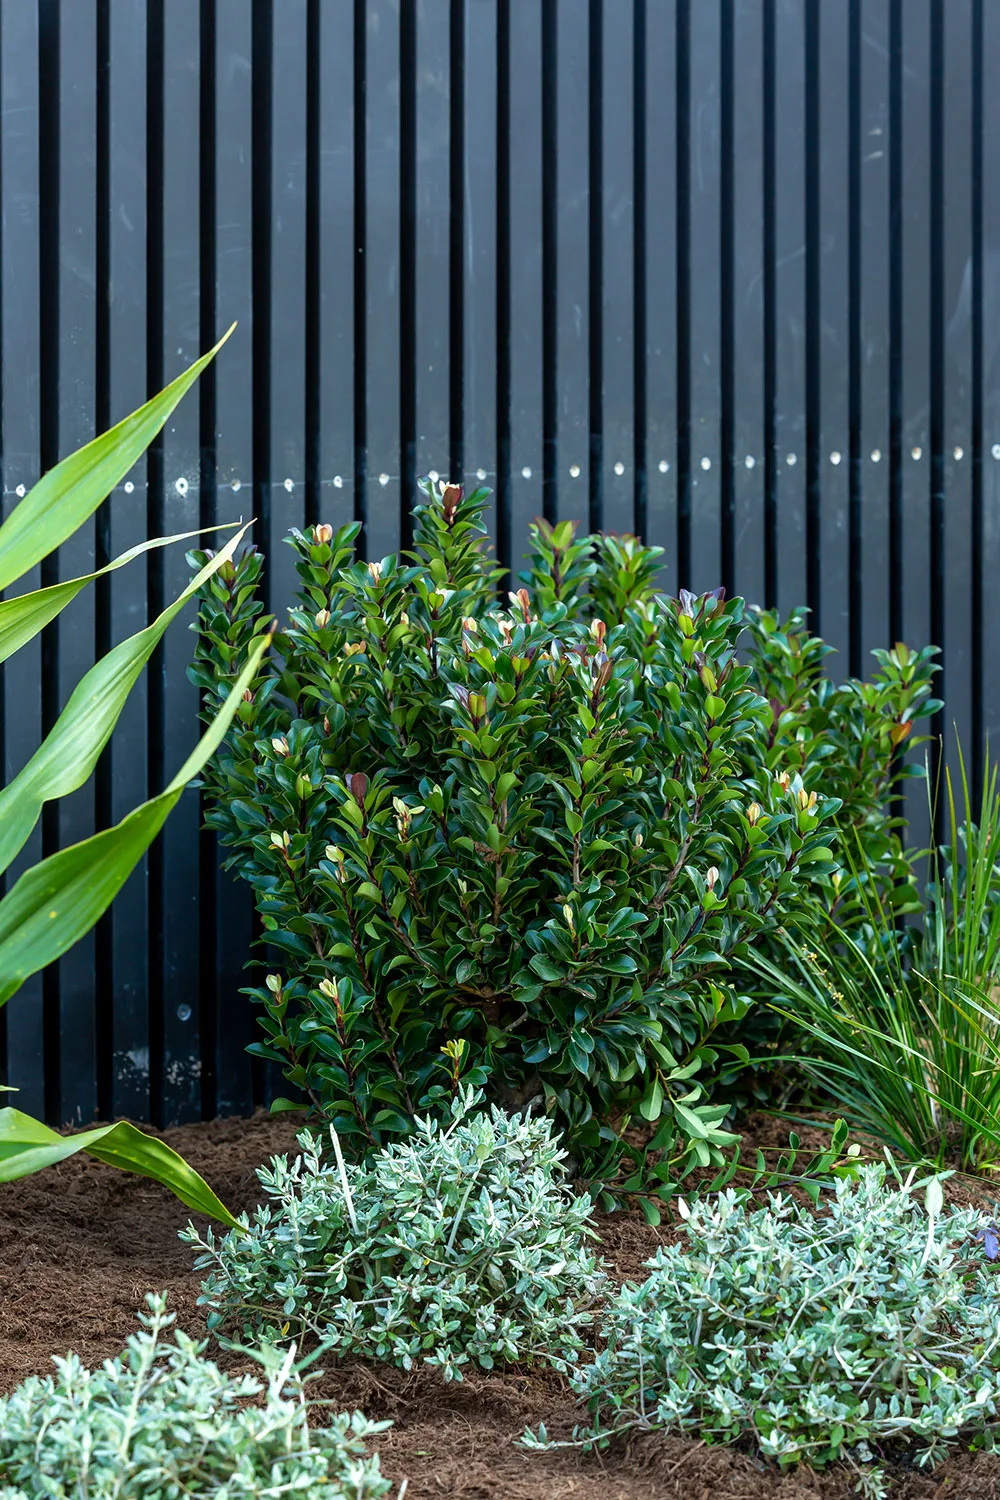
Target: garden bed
x: 81, y: 1244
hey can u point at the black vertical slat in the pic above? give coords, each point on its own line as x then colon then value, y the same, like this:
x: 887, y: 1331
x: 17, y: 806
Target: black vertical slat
x: 123, y: 938
x: 976, y: 750
x: 895, y: 128
x: 770, y: 297
x: 953, y: 509
x: 181, y: 324
x: 434, y: 242
x: 570, y: 274
x: 235, y: 1075
x: 388, y: 280
x: 284, y: 308
x: 262, y: 64
x: 337, y: 258
x: 919, y: 419
x: 727, y: 291
x: 705, y: 278
x: 829, y: 295
x: 456, y: 243
x: 481, y: 352
x: 154, y: 526
x: 747, y: 248
x: 208, y: 847
x: 550, y: 259
x: 872, y: 393
x: 595, y: 241
x: 660, y: 351
x: 360, y: 282
x: 48, y: 436
x: 104, y: 977
x: 74, y: 390
x: 312, y: 351
x: 19, y: 146
x: 640, y: 448
x: 530, y: 284
x: 503, y: 287
x: 790, y: 307
x: 854, y: 355
x: 937, y: 371
x: 813, y: 331
x: 407, y: 270
x: 682, y: 94
x: 613, y: 421
x: 288, y: 294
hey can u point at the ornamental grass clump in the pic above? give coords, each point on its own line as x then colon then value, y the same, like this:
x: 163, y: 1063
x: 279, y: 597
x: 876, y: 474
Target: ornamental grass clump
x: 461, y: 1244
x: 163, y: 1421
x: 812, y: 1335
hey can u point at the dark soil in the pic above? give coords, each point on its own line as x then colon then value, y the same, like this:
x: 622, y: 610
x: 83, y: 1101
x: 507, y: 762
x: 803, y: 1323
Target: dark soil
x: 81, y: 1244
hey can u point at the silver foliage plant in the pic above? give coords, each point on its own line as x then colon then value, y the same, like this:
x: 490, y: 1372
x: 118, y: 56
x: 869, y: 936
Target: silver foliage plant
x: 814, y: 1335
x: 462, y: 1243
x: 164, y: 1421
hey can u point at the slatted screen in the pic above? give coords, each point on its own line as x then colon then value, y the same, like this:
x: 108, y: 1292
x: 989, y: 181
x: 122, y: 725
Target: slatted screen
x: 726, y: 272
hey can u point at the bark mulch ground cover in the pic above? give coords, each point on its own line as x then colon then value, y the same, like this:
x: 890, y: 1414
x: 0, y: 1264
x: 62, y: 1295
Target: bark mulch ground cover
x: 81, y: 1244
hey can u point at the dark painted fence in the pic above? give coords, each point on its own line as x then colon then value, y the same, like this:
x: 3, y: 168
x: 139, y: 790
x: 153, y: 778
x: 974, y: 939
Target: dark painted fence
x: 723, y: 271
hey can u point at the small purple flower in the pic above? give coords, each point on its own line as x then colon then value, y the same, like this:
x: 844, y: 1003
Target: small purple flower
x: 990, y: 1237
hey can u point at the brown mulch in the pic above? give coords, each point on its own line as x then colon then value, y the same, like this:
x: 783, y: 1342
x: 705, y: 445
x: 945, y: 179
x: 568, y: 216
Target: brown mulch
x: 81, y: 1244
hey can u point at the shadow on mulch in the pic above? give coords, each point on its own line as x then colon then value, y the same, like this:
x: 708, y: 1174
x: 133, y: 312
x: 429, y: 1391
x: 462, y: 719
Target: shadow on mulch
x: 81, y: 1244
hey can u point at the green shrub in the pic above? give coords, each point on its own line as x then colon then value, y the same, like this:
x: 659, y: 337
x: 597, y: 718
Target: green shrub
x: 164, y: 1421
x: 813, y: 1335
x: 460, y: 1244
x: 848, y: 739
x: 533, y: 836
